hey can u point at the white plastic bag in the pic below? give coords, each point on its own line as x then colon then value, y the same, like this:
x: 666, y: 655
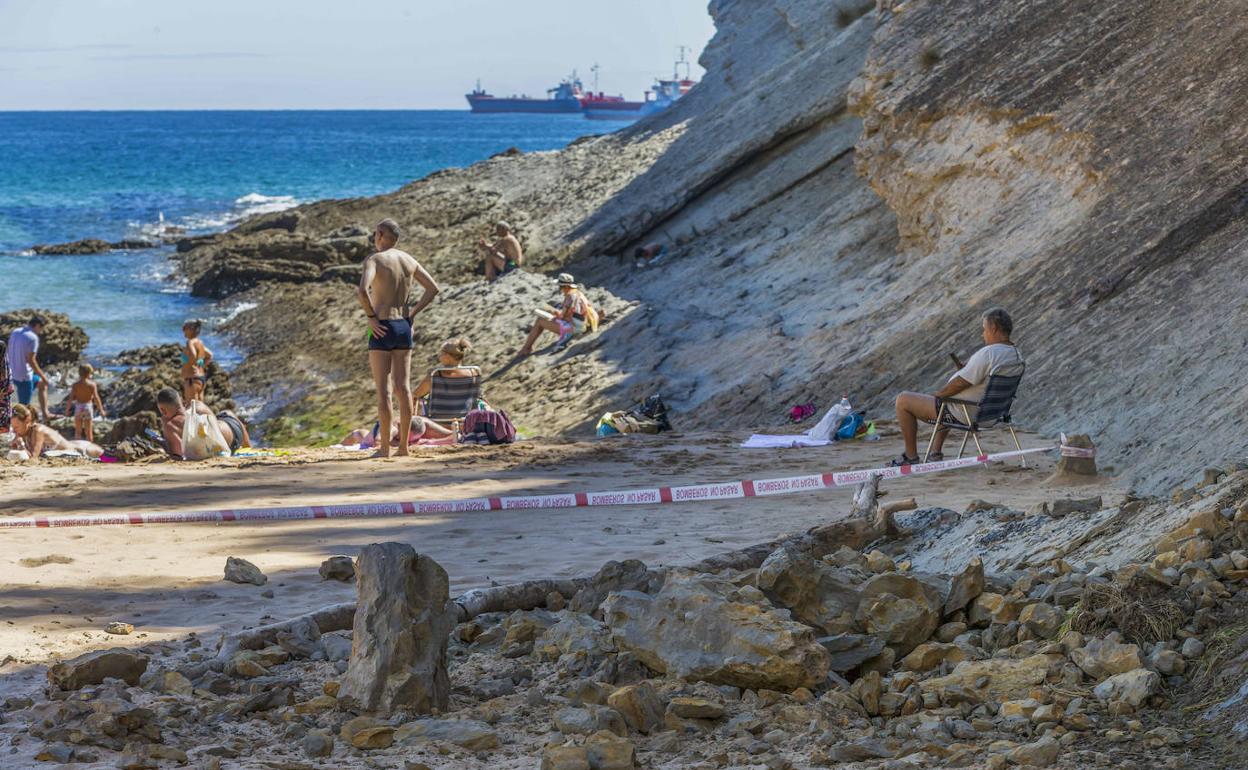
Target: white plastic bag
x: 201, y: 436
x: 826, y: 429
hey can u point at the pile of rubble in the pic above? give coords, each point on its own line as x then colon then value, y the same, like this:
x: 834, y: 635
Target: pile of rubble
x: 838, y: 659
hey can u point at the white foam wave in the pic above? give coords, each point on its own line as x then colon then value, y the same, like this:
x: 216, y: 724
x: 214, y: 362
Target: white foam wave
x: 255, y: 203
x: 245, y: 206
x: 233, y: 312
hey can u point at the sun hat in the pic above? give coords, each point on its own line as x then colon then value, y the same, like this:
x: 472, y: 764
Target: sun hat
x: 566, y: 279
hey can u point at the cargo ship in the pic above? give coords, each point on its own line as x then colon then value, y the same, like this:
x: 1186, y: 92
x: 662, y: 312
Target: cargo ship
x: 568, y: 97
x: 662, y: 94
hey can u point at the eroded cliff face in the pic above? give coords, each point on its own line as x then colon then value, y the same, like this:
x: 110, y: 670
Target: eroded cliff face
x: 843, y: 195
x: 1083, y: 165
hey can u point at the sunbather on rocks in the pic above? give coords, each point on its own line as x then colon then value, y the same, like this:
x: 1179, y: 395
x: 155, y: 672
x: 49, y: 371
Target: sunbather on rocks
x: 565, y: 322
x: 968, y: 384
x: 37, y: 439
x: 503, y: 255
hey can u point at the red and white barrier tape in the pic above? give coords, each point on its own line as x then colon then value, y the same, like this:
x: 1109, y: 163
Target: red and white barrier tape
x: 1075, y: 451
x: 653, y: 496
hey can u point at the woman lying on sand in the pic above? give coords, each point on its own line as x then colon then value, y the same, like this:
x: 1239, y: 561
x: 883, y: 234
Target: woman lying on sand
x: 422, y: 429
x: 37, y: 439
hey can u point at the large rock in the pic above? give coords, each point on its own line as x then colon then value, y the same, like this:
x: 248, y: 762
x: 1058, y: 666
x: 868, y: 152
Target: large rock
x: 403, y: 622
x: 61, y: 341
x: 467, y: 733
x: 1133, y: 687
x: 627, y: 575
x: 242, y: 571
x: 1101, y: 658
x: 997, y: 678
x: 95, y: 667
x: 819, y: 595
x: 902, y: 610
x: 575, y: 633
x: 699, y: 627
x: 849, y: 651
x: 640, y: 706
x: 965, y: 586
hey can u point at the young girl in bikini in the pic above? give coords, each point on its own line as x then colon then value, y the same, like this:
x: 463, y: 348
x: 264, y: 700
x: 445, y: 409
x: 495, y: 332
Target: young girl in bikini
x: 37, y: 439
x: 195, y: 359
x: 84, y: 397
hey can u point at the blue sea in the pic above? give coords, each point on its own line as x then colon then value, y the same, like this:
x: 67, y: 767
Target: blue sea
x: 112, y: 175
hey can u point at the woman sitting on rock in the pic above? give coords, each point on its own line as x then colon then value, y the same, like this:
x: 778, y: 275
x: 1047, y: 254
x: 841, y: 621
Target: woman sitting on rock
x: 195, y: 359
x: 37, y: 439
x: 569, y: 320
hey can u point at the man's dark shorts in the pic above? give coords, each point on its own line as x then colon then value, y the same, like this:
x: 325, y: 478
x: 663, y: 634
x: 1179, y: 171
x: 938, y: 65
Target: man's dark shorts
x: 398, y: 336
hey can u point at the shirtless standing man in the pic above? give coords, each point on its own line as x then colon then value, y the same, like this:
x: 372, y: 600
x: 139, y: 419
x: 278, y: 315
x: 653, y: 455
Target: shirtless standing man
x: 383, y: 293
x: 502, y: 256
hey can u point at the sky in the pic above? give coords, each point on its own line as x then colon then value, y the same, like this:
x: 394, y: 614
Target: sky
x: 330, y: 54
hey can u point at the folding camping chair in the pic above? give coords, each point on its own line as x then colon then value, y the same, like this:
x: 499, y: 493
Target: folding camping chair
x: 994, y: 411
x: 451, y: 398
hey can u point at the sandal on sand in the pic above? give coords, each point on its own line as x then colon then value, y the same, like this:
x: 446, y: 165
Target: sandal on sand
x: 935, y: 457
x: 898, y: 462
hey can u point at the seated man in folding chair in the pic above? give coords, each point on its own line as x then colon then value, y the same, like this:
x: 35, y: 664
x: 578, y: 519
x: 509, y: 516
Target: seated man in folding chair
x: 998, y: 356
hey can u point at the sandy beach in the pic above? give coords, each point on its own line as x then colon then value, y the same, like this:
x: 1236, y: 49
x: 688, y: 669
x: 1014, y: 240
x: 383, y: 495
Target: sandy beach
x: 62, y: 586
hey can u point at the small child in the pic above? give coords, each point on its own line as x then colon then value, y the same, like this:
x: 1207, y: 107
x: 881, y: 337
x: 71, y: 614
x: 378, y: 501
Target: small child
x: 85, y: 397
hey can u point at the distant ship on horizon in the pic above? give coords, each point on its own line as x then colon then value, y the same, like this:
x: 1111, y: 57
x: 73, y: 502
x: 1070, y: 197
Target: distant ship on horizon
x: 662, y: 94
x: 567, y: 97
x: 570, y: 96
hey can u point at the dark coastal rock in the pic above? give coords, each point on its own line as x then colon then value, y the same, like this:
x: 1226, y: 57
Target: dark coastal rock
x: 349, y: 274
x: 159, y: 366
x: 132, y: 244
x: 231, y: 274
x: 92, y: 246
x: 280, y: 220
x: 84, y: 246
x: 61, y: 341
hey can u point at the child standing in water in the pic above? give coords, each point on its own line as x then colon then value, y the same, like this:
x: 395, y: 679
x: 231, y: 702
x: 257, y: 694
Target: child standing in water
x: 84, y: 397
x: 195, y: 358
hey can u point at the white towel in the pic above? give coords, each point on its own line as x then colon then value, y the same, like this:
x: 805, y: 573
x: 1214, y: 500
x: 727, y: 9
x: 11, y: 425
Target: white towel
x: 763, y: 441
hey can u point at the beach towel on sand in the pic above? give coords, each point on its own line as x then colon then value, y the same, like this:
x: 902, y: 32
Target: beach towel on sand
x: 763, y: 441
x: 822, y: 434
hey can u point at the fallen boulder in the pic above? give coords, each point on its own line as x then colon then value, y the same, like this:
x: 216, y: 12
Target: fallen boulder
x: 242, y: 571
x: 902, y: 610
x: 403, y: 622
x: 95, y: 667
x: 703, y: 628
x: 818, y: 594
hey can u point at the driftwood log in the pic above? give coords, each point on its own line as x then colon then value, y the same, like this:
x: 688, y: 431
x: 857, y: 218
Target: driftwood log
x: 868, y: 521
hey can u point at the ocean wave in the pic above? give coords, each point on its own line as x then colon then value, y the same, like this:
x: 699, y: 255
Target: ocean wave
x: 233, y: 312
x: 244, y: 206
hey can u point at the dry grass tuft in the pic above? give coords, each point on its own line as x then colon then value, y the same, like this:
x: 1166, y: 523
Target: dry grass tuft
x: 1142, y: 620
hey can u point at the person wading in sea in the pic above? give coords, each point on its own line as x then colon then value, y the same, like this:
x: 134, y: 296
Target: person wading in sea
x: 384, y: 291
